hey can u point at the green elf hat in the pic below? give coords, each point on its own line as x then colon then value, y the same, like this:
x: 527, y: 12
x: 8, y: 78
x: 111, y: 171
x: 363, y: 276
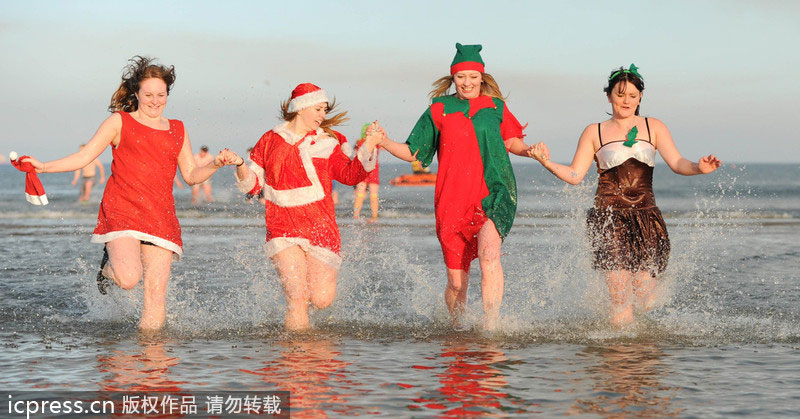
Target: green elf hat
x: 468, y: 57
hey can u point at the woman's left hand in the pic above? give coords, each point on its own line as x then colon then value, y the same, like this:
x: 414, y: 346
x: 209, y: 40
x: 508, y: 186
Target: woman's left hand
x: 708, y: 164
x: 539, y: 152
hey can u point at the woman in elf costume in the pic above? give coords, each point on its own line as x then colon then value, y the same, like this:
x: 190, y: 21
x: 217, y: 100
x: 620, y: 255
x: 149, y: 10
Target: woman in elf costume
x: 471, y: 132
x: 137, y: 221
x: 293, y: 166
x: 628, y: 234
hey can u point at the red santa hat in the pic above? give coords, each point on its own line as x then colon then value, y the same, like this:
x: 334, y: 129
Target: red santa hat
x: 34, y: 191
x: 306, y: 95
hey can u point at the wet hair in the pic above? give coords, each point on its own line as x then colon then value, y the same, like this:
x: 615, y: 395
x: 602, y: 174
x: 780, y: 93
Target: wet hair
x: 621, y: 77
x: 326, y: 125
x: 204, y: 148
x: 489, y: 86
x: 139, y: 69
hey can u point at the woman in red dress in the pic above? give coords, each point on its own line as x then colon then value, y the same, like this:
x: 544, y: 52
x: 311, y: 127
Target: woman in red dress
x: 293, y: 166
x: 137, y: 221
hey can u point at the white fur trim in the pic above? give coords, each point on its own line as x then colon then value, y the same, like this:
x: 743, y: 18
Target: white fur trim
x: 367, y: 159
x: 308, y: 99
x: 347, y: 149
x: 255, y: 177
x: 326, y: 256
x: 176, y: 250
x: 323, y: 146
x: 37, y: 199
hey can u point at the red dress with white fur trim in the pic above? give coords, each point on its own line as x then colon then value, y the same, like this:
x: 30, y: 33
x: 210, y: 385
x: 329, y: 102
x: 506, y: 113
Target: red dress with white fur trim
x: 137, y: 201
x: 294, y: 174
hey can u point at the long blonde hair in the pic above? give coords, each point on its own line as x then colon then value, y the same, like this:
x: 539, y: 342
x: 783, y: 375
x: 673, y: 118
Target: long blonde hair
x: 489, y: 87
x: 337, y: 119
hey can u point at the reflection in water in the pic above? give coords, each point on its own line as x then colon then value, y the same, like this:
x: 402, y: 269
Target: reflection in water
x: 627, y: 382
x: 147, y: 369
x: 318, y: 382
x: 473, y: 383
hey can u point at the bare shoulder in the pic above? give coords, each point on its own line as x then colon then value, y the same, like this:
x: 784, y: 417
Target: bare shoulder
x: 114, y: 120
x: 656, y: 123
x: 591, y: 136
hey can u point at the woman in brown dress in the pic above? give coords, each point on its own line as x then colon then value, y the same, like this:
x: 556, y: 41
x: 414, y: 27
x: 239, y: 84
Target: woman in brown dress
x: 627, y: 232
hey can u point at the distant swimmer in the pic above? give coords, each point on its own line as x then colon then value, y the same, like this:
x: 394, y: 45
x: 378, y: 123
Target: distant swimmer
x: 88, y: 176
x: 203, y: 158
x: 628, y: 234
x: 373, y: 181
x: 471, y: 132
x: 137, y: 221
x: 293, y: 166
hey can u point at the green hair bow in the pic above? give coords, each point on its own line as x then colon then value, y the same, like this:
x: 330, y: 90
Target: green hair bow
x: 632, y: 69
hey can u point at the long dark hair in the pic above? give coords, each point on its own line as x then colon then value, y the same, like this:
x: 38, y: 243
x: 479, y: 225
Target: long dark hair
x: 621, y: 75
x: 139, y: 69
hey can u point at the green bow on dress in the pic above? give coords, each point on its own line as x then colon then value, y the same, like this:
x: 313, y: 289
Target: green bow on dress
x: 631, y: 137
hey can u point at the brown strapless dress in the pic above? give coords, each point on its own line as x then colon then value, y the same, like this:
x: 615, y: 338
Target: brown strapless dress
x: 626, y: 229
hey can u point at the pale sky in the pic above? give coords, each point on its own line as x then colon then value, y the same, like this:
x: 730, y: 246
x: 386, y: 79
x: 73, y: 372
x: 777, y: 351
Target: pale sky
x: 723, y: 75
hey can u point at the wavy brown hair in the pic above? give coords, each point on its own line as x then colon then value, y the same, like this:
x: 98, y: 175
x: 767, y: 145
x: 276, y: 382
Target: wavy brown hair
x: 337, y: 119
x: 139, y: 69
x: 489, y: 87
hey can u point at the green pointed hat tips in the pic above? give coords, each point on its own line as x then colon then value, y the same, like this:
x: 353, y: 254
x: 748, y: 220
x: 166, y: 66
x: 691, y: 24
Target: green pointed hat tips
x: 632, y: 70
x: 468, y: 57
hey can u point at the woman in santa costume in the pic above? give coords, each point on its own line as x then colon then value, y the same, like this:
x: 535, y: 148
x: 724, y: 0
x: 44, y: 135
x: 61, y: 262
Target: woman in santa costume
x: 293, y: 167
x: 471, y: 132
x: 137, y: 221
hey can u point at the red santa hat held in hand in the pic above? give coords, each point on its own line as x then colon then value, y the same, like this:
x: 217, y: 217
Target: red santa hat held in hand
x: 34, y: 191
x: 306, y: 95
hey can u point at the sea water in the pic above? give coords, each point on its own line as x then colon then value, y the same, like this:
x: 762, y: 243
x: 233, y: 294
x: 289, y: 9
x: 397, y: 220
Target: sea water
x: 723, y: 341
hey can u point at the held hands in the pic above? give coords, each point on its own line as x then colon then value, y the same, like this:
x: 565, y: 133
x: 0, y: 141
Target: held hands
x: 227, y: 157
x: 708, y: 164
x: 375, y: 135
x: 539, y: 152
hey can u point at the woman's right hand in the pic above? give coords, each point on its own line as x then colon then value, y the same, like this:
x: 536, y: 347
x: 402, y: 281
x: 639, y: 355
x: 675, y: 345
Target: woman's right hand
x: 39, y: 166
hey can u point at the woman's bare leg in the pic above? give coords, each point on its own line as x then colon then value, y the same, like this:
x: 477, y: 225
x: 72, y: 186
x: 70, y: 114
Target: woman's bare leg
x: 291, y: 266
x: 156, y: 263
x: 643, y: 286
x: 124, y: 264
x: 322, y: 282
x: 492, y: 281
x: 619, y: 289
x: 455, y: 294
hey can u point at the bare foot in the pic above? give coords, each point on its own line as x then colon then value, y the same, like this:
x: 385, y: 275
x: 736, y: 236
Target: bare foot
x: 621, y: 317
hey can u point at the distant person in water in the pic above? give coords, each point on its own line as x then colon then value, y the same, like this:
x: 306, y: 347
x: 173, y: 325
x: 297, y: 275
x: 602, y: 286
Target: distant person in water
x: 293, y: 166
x: 471, y: 132
x: 373, y: 182
x: 628, y: 234
x: 88, y: 176
x: 137, y: 221
x: 203, y: 158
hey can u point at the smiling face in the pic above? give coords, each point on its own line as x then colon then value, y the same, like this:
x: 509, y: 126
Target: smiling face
x: 624, y: 99
x: 311, y: 117
x: 152, y: 97
x: 468, y: 84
